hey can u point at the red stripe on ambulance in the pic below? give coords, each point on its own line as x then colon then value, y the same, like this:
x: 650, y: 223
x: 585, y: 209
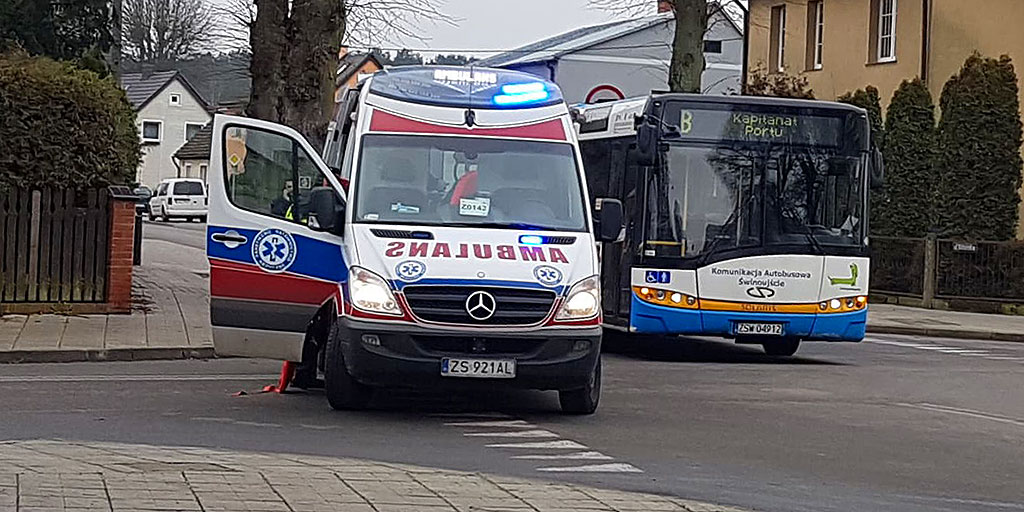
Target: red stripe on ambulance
x: 387, y: 122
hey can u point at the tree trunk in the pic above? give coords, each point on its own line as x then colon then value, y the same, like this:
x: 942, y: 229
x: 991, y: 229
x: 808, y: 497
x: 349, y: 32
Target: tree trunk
x: 315, y: 34
x: 688, y: 46
x: 268, y: 40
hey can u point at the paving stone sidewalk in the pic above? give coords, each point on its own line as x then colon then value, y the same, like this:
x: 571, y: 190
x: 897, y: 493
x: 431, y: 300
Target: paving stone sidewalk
x: 170, y: 318
x: 37, y: 476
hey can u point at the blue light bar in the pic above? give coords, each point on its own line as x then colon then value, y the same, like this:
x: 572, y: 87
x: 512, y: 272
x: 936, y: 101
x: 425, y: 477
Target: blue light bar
x: 465, y: 87
x: 521, y: 99
x: 531, y: 240
x: 522, y: 88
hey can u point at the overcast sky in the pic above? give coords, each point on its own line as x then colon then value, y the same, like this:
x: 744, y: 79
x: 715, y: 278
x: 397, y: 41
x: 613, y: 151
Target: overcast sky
x: 497, y: 25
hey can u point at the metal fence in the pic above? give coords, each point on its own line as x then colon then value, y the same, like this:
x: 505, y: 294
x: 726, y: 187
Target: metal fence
x: 930, y: 268
x: 979, y: 270
x: 54, y: 246
x: 897, y: 265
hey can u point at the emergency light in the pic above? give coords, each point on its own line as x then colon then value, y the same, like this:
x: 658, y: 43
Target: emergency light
x: 465, y: 87
x: 531, y: 240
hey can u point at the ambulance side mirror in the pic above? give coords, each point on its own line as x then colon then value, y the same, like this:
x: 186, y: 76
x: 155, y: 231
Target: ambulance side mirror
x: 609, y: 220
x: 327, y: 211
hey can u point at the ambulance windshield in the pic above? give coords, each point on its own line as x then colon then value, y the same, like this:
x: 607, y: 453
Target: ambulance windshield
x: 430, y: 180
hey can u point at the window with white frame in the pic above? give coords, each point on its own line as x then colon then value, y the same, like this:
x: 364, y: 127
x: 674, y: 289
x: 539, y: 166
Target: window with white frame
x: 175, y: 100
x: 202, y: 172
x: 818, y: 11
x: 188, y: 171
x: 191, y: 129
x: 886, y: 30
x: 152, y: 131
x: 777, y: 59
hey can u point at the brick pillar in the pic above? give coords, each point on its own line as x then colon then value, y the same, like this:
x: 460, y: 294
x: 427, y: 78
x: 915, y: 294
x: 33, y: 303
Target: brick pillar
x: 122, y: 244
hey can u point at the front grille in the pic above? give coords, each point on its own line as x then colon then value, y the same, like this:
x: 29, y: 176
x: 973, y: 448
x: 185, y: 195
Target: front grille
x: 477, y: 346
x: 401, y: 233
x: 447, y: 304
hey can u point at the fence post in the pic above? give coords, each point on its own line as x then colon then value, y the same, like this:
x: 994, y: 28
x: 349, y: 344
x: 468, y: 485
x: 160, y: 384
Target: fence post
x: 137, y: 258
x: 930, y: 261
x: 122, y: 243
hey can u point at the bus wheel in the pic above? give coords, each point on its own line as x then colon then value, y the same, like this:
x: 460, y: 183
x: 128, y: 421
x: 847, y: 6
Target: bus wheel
x: 343, y: 392
x: 782, y: 347
x: 583, y: 400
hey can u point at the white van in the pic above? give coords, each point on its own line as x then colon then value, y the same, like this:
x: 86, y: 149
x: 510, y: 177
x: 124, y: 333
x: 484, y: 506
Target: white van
x: 453, y: 245
x: 179, y: 198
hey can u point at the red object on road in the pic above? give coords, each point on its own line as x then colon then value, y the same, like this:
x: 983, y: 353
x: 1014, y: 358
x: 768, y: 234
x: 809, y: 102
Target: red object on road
x: 287, y: 373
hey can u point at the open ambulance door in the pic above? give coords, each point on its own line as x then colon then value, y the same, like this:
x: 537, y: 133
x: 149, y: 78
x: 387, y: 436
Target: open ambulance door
x: 275, y: 252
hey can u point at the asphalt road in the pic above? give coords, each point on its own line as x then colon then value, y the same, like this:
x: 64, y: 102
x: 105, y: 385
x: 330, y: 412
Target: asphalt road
x: 192, y: 234
x: 894, y: 423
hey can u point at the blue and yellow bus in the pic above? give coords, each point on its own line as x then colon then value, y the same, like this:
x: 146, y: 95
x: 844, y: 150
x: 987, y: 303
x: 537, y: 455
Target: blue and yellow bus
x: 746, y: 218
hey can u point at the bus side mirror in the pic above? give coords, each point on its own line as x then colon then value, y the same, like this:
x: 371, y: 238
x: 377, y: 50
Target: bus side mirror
x: 877, y: 170
x: 609, y: 222
x: 646, y: 141
x: 327, y: 212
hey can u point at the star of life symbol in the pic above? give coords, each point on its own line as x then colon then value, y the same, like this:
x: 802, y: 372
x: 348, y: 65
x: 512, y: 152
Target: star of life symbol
x: 273, y: 250
x: 410, y: 270
x: 547, y: 275
x: 481, y: 305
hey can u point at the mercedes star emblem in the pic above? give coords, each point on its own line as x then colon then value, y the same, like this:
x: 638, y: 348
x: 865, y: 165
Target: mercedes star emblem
x: 480, y: 305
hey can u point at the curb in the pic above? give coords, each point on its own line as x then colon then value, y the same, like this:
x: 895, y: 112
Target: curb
x: 110, y: 354
x: 948, y: 333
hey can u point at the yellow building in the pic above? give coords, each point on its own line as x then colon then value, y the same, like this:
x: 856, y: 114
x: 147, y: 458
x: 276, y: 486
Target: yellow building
x: 844, y: 45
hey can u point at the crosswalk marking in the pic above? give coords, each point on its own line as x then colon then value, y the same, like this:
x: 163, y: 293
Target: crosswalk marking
x: 566, y: 456
x: 542, y: 444
x: 517, y: 433
x: 614, y: 467
x: 485, y: 424
x: 561, y: 444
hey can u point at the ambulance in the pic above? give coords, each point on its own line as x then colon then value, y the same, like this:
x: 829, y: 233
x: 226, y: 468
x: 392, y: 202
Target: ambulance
x: 449, y: 243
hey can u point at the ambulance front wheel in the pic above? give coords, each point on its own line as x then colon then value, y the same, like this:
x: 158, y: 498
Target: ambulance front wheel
x: 583, y: 400
x: 343, y: 392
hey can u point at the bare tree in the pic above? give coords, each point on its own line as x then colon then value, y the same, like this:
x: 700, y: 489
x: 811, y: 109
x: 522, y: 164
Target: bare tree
x: 692, y: 18
x: 166, y: 30
x: 295, y: 43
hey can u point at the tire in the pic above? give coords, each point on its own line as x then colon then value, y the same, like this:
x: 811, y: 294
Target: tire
x: 163, y: 214
x: 343, y: 392
x: 583, y: 400
x: 784, y: 347
x: 151, y: 215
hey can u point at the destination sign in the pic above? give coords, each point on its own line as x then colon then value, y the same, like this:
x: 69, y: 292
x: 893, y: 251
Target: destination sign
x: 756, y: 126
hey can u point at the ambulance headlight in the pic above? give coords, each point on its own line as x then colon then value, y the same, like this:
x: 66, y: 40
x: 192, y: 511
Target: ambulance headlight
x: 583, y: 300
x: 371, y: 294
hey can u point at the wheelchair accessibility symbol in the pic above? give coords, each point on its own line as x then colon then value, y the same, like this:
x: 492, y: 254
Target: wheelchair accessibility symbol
x: 273, y: 250
x: 657, y: 277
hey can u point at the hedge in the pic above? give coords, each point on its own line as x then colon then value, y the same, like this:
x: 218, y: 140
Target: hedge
x: 979, y: 140
x: 63, y: 126
x: 909, y: 209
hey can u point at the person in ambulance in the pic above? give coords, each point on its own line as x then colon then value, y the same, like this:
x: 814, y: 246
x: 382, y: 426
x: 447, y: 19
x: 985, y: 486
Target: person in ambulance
x: 461, y: 251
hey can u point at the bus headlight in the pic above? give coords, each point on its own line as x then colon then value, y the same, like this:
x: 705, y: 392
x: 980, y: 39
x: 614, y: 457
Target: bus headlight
x: 583, y: 300
x: 371, y: 294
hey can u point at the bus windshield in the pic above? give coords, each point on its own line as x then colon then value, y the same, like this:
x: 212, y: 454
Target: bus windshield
x: 704, y: 199
x: 432, y: 180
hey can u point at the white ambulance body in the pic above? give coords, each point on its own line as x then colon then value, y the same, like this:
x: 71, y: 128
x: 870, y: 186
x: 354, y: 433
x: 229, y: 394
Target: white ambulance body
x: 451, y: 244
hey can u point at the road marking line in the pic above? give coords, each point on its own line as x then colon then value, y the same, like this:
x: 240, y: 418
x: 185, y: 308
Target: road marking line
x: 615, y: 467
x: 561, y: 444
x: 963, y: 351
x: 132, y: 378
x: 964, y: 412
x: 518, y: 433
x: 1005, y: 358
x: 258, y: 424
x: 208, y: 418
x: 566, y: 456
x: 508, y: 423
x: 472, y: 415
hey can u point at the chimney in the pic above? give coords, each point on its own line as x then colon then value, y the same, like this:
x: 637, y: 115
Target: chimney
x: 665, y: 6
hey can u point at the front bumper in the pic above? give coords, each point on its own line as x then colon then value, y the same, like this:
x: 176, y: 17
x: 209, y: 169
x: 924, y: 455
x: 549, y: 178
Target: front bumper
x: 656, y: 319
x: 410, y: 355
